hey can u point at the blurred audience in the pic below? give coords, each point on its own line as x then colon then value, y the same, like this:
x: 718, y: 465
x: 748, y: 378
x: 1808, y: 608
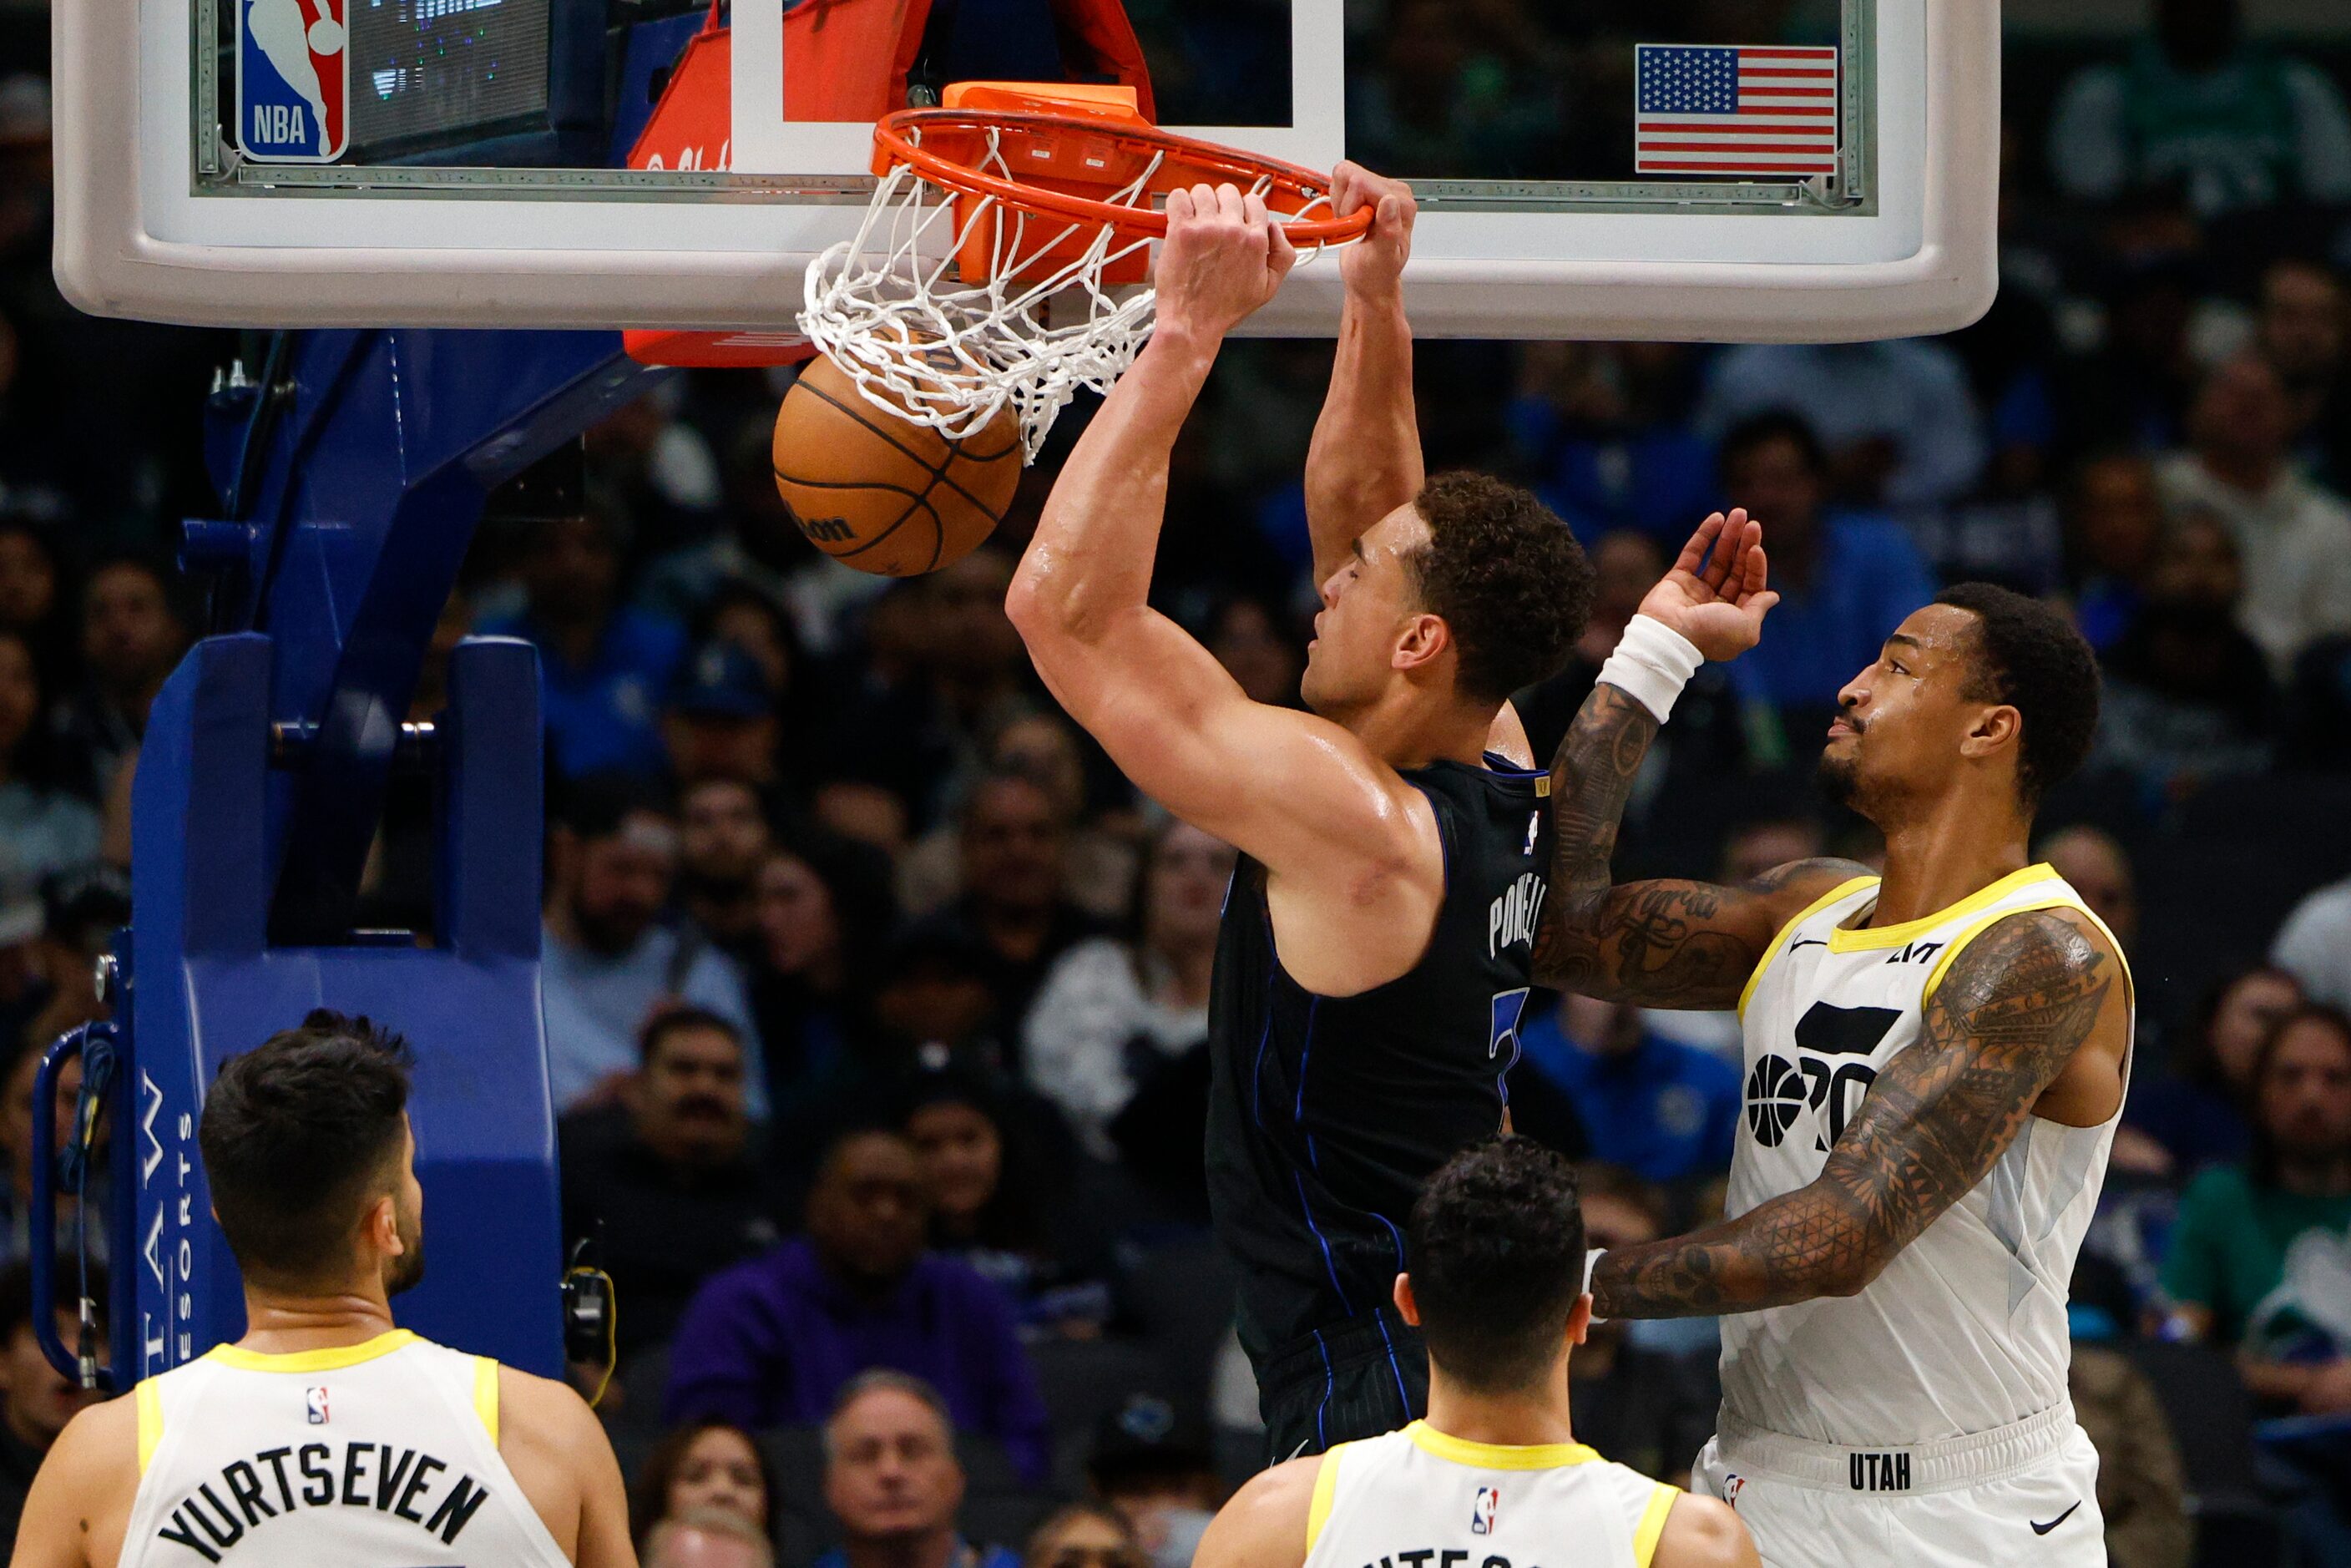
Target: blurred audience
x: 773, y: 1342
x: 723, y: 839
x: 1153, y: 1473
x: 36, y: 1399
x: 2314, y: 946
x: 707, y: 1538
x: 132, y: 637
x: 1665, y: 1110
x: 1084, y: 1535
x: 43, y: 828
x: 703, y: 1465
x: 1648, y: 1408
x: 2178, y: 1122
x: 1895, y: 420
x: 609, y: 963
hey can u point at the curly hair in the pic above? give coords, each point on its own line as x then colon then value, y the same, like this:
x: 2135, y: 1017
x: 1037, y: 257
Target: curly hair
x: 1508, y: 578
x: 1495, y: 1250
x: 2031, y: 658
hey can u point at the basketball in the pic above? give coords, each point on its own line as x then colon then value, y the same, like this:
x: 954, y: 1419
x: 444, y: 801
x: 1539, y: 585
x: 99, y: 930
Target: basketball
x: 881, y: 492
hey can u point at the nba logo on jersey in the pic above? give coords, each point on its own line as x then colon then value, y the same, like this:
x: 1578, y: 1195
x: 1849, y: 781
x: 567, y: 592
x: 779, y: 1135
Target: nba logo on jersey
x: 314, y: 1404
x: 1482, y: 1511
x: 293, y: 80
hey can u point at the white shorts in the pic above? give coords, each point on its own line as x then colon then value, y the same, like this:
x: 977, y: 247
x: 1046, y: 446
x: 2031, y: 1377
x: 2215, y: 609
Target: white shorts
x: 2026, y: 1494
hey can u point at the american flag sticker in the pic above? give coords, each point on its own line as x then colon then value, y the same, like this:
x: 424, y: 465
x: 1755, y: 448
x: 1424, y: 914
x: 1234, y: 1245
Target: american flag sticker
x: 1721, y: 108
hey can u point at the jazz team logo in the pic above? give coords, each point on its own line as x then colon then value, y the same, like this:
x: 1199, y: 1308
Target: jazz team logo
x: 1482, y: 1511
x: 293, y: 79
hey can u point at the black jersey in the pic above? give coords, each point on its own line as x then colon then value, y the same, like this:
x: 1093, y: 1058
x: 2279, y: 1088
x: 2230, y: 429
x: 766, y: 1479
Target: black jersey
x: 1327, y: 1113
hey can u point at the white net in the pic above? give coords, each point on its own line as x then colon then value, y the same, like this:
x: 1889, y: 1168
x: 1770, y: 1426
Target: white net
x: 891, y: 308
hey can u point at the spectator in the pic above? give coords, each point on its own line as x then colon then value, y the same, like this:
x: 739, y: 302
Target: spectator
x: 33, y: 595
x: 2094, y: 863
x: 1259, y: 648
x: 985, y: 1178
x: 672, y: 1182
x: 774, y: 1341
x: 704, y: 1464
x: 16, y: 1113
x: 2304, y: 332
x: 1448, y: 99
x: 608, y: 964
x: 1103, y: 854
x: 2114, y: 516
x: 1015, y: 907
x: 131, y: 639
x: 1895, y: 423
x: 1764, y: 844
x: 1153, y: 1471
x: 2193, y: 1115
x: 2195, y: 106
x: 720, y: 722
x: 1084, y: 1535
x: 603, y: 667
x: 1111, y: 1012
x: 1606, y: 427
x: 824, y: 914
x: 1846, y: 580
x: 708, y: 1538
x: 723, y: 839
x: 2314, y: 946
x: 892, y: 1480
x: 2188, y: 697
x: 1668, y: 1111
x: 2292, y: 538
x: 36, y: 1399
x: 43, y: 829
x: 2261, y: 1249
x: 1644, y: 1408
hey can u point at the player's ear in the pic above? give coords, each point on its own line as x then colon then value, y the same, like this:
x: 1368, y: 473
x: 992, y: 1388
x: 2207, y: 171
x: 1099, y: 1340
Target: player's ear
x: 1579, y: 1319
x: 1423, y: 642
x: 1406, y: 1307
x: 384, y: 1227
x: 1996, y: 727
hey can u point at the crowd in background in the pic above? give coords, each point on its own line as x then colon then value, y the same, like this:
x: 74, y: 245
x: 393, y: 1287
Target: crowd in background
x: 876, y: 1000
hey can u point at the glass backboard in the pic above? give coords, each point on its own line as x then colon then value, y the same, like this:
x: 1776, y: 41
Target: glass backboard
x: 1780, y: 169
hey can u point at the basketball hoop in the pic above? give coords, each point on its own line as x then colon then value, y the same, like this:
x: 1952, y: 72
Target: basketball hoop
x: 1001, y: 261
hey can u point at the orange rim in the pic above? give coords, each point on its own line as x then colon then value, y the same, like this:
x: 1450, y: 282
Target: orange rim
x: 1184, y: 163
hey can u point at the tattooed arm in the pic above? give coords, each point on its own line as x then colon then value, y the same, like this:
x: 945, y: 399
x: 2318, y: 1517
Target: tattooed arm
x: 2011, y: 1013
x: 1662, y: 944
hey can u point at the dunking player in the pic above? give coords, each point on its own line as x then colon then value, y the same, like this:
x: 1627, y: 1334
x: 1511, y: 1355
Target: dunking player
x: 325, y: 1435
x: 1378, y: 934
x: 1936, y: 1061
x: 1494, y: 1475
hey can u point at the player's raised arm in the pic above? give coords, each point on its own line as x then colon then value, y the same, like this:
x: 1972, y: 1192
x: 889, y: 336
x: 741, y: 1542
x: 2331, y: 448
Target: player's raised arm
x: 1664, y: 944
x: 1296, y: 791
x: 2017, y: 1006
x: 1365, y: 460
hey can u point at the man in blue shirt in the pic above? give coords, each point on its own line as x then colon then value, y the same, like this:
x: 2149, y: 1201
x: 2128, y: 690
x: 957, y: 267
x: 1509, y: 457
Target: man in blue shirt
x: 1665, y: 1110
x: 1846, y: 578
x: 604, y: 667
x: 773, y: 1342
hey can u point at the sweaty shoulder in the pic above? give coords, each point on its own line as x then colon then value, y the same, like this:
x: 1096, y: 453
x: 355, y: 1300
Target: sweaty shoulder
x: 1264, y: 1525
x: 79, y: 1506
x: 1702, y: 1533
x: 557, y: 1452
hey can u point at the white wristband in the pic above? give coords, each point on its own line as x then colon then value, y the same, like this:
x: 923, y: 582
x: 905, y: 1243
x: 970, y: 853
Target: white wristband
x: 1591, y: 1261
x: 1651, y: 665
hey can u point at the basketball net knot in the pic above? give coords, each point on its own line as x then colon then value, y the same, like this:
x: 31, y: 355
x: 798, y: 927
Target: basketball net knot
x: 949, y: 307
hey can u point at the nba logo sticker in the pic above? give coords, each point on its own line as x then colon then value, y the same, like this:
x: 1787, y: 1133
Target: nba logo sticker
x: 314, y: 1401
x: 293, y: 80
x: 1482, y: 1511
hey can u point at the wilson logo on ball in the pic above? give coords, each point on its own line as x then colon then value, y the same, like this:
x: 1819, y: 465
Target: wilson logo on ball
x: 828, y: 530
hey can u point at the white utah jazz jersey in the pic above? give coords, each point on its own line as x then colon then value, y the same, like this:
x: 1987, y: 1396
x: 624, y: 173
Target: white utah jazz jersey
x: 381, y: 1455
x: 1419, y: 1498
x: 1965, y: 1329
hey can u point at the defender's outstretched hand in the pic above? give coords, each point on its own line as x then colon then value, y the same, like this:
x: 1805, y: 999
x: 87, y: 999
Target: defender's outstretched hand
x: 1222, y: 258
x: 1715, y: 595
x: 1375, y: 264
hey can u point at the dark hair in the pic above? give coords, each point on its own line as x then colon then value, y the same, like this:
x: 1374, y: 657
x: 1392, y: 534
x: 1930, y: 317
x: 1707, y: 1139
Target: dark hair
x: 2264, y: 1160
x: 596, y: 805
x: 2031, y: 657
x: 298, y: 1134
x: 1758, y: 430
x: 1061, y: 1518
x: 1496, y: 1256
x: 1007, y: 1221
x: 34, y: 759
x: 17, y: 1291
x: 676, y: 1020
x: 649, y: 1494
x: 2200, y: 1063
x: 1506, y: 577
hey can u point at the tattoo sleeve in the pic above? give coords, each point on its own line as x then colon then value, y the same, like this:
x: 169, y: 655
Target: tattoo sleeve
x: 2010, y: 1014
x: 1661, y: 944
